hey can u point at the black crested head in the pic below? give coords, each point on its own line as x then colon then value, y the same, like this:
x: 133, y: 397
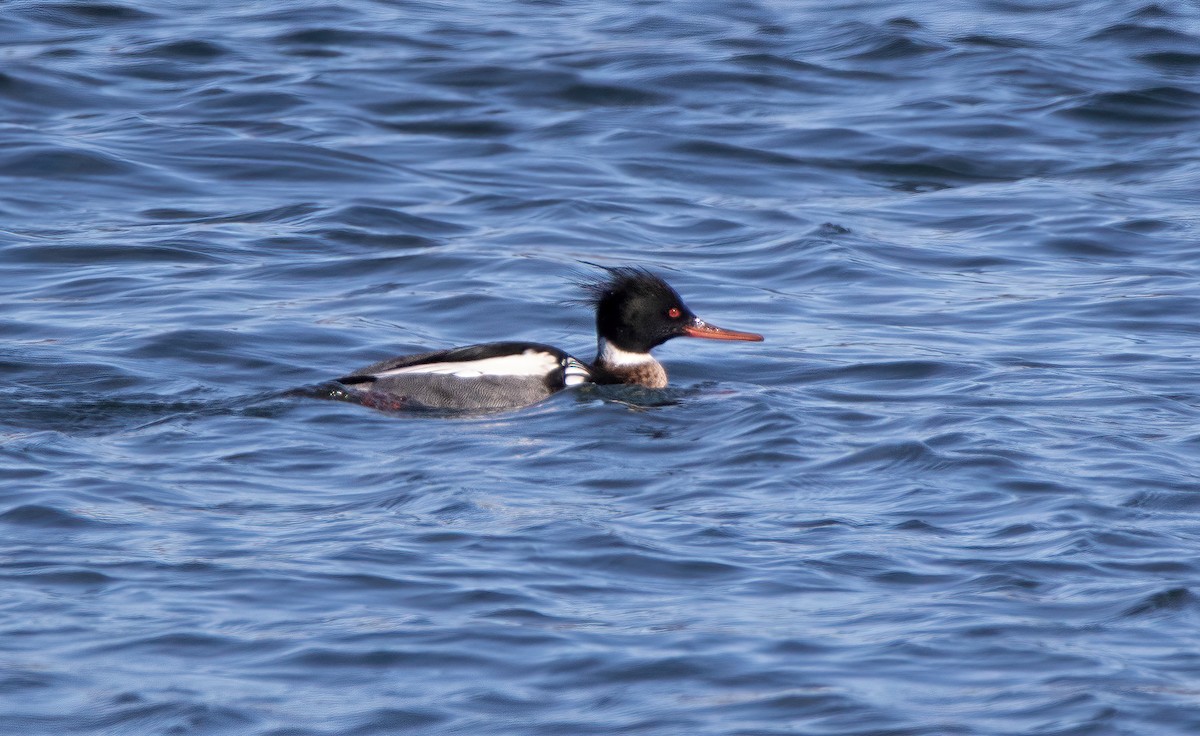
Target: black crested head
x: 636, y: 310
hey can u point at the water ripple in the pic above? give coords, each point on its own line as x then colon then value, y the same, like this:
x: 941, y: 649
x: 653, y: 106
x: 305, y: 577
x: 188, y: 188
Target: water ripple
x: 953, y: 492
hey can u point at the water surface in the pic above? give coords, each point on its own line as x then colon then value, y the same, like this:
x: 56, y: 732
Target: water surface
x: 954, y: 492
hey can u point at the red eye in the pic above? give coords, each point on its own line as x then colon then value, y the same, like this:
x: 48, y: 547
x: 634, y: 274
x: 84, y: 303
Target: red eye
x: 673, y: 312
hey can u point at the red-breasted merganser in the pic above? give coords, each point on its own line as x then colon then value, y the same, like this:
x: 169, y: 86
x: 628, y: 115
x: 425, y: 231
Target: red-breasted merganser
x: 635, y: 312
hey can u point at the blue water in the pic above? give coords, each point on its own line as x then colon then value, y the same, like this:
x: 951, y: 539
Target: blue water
x: 955, y: 492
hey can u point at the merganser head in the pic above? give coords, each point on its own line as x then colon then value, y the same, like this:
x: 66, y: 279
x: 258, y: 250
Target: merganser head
x: 636, y: 311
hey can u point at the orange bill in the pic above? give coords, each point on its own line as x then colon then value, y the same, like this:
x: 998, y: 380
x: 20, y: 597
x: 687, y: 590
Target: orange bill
x: 699, y: 328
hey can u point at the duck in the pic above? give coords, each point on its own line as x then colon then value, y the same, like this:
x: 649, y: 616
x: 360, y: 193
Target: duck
x: 636, y: 311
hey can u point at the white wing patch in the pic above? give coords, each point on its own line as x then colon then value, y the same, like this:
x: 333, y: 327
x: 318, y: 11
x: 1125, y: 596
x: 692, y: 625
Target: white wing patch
x: 528, y: 363
x: 575, y: 373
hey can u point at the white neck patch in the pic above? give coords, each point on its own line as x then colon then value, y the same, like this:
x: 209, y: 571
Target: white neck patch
x: 611, y: 355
